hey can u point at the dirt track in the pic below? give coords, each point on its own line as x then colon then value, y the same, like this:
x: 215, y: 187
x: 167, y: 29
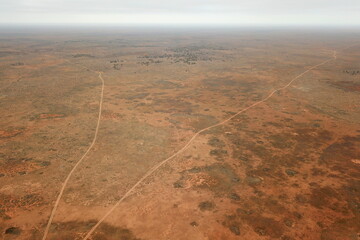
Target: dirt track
x: 53, y: 212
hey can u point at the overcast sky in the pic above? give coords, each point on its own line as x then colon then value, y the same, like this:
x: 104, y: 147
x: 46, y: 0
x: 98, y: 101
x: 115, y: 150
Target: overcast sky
x: 230, y: 12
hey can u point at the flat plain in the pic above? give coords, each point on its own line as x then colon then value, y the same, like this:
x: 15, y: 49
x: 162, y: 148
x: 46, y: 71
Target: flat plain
x: 286, y: 168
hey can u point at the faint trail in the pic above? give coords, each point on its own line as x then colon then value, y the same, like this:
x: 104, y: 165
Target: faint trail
x: 157, y: 166
x: 77, y: 164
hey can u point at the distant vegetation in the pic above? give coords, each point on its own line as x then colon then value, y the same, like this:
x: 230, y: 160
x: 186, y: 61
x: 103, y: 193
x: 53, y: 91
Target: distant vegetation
x: 82, y: 55
x: 18, y: 64
x: 116, y: 64
x: 188, y: 55
x: 352, y: 72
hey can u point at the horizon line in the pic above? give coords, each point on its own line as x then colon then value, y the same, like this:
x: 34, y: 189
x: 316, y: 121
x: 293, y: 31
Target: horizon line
x: 208, y: 25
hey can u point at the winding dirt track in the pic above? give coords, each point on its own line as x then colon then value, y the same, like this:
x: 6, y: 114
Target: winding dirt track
x: 77, y: 164
x: 153, y: 169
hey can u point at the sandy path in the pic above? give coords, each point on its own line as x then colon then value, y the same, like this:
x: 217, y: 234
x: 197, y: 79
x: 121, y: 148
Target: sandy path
x: 77, y: 164
x: 153, y: 169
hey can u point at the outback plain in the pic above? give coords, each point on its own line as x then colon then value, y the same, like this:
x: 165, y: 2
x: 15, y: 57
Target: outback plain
x: 218, y: 134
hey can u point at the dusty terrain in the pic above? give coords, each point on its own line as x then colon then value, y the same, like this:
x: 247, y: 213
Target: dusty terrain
x: 287, y: 168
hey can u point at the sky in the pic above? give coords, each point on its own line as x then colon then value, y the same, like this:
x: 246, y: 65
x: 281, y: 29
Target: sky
x: 183, y: 12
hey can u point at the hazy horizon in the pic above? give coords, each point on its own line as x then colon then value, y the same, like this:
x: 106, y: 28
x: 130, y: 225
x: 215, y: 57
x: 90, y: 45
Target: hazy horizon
x: 181, y: 13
